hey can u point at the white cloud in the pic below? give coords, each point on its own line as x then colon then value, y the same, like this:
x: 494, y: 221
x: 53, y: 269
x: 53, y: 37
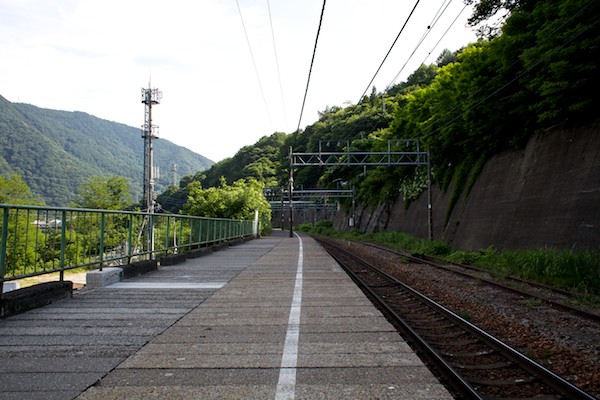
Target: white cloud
x: 94, y: 56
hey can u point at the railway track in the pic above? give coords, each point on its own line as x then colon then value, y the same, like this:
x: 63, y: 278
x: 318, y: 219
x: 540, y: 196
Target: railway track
x: 528, y: 289
x: 472, y: 362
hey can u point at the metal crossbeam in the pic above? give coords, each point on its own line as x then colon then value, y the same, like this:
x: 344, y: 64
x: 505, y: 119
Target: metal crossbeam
x: 277, y: 206
x: 363, y: 159
x: 312, y: 193
x: 359, y: 158
x: 322, y: 193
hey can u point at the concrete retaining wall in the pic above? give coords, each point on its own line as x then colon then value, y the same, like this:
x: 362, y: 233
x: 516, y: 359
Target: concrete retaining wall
x: 545, y: 195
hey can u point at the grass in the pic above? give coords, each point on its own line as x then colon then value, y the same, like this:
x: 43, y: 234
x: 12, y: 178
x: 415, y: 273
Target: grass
x: 578, y: 271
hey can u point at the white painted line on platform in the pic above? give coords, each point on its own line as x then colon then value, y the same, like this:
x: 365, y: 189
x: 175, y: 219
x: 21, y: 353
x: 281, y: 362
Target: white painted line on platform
x: 286, y: 387
x: 167, y: 285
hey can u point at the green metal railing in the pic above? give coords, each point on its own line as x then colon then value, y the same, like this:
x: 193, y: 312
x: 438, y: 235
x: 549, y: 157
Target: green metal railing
x: 41, y: 240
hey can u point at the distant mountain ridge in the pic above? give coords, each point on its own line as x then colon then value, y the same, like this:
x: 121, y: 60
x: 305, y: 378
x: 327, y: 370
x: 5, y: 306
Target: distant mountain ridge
x: 56, y: 151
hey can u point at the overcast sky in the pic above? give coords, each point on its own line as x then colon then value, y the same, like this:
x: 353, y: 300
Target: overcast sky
x: 96, y: 55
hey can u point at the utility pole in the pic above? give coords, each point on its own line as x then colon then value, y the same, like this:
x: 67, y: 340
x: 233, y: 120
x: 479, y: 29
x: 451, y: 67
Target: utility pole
x: 150, y: 97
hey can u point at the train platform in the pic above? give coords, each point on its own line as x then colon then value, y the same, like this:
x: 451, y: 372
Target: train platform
x: 272, y: 318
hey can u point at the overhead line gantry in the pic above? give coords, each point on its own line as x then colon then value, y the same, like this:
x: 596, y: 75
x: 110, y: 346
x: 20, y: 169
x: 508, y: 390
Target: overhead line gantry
x: 347, y: 157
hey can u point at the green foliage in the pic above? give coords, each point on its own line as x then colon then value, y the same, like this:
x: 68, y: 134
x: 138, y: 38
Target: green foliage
x: 13, y: 190
x: 459, y: 179
x: 475, y: 171
x: 238, y: 201
x: 563, y: 268
x: 536, y: 75
x: 472, y: 104
x: 259, y: 161
x: 562, y: 61
x: 322, y: 228
x: 408, y: 242
x: 413, y: 185
x: 55, y: 152
x: 575, y: 270
x: 174, y: 198
x: 104, y: 193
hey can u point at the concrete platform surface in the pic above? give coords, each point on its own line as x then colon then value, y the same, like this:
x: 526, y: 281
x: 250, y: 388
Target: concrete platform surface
x: 273, y: 318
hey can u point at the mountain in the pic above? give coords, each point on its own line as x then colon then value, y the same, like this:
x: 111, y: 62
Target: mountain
x: 56, y: 151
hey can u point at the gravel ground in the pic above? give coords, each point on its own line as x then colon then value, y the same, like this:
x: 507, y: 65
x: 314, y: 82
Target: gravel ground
x: 567, y: 344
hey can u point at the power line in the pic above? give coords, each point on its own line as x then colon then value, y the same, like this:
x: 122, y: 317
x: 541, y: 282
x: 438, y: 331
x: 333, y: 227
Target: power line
x: 390, y: 50
x: 435, y: 19
x: 445, y: 33
x: 254, y: 64
x: 277, y: 63
x: 525, y: 72
x: 311, y: 65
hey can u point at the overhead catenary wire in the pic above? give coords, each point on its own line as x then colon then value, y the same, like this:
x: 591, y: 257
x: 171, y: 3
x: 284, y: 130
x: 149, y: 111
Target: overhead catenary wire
x: 262, y: 92
x: 524, y: 72
x: 511, y: 81
x: 311, y: 65
x: 445, y: 33
x: 277, y: 64
x: 390, y: 50
x: 441, y: 10
x: 495, y: 92
x: 434, y: 21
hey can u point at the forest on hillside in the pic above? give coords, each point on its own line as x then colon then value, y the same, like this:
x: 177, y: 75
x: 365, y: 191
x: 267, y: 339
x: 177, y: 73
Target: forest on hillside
x: 55, y: 152
x: 534, y: 71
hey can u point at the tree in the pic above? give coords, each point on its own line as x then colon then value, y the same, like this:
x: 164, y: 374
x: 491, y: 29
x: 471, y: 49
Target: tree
x: 446, y: 57
x: 484, y: 10
x: 102, y: 193
x: 423, y: 76
x: 13, y: 190
x: 238, y: 201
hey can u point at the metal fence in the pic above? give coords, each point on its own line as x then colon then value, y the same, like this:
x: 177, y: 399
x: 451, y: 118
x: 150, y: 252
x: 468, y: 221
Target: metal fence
x: 41, y: 240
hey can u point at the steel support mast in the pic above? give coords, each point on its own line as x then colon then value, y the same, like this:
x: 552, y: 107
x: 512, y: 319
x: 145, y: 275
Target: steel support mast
x: 150, y: 97
x: 389, y: 157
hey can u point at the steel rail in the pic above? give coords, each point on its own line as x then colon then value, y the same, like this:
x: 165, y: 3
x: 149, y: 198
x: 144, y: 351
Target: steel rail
x: 455, y: 379
x: 548, y: 377
x: 552, y: 303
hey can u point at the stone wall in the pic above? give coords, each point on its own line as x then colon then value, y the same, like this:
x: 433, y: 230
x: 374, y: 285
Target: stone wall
x: 546, y: 195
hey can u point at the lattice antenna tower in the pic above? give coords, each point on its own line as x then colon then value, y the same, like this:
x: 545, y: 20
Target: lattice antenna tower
x: 150, y: 97
x: 174, y: 174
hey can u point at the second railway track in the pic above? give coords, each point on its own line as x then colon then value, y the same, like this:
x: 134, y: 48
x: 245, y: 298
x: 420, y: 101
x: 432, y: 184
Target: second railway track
x: 553, y: 297
x: 474, y: 363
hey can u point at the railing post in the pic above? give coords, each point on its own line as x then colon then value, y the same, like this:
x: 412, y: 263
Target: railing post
x: 130, y: 239
x: 79, y: 227
x: 101, y: 249
x: 3, y: 242
x: 63, y: 244
x: 200, y: 223
x: 181, y: 232
x: 290, y: 193
x: 151, y: 227
x: 167, y: 233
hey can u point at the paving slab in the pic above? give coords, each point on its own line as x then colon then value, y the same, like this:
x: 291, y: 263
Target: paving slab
x: 249, y: 322
x: 59, y: 351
